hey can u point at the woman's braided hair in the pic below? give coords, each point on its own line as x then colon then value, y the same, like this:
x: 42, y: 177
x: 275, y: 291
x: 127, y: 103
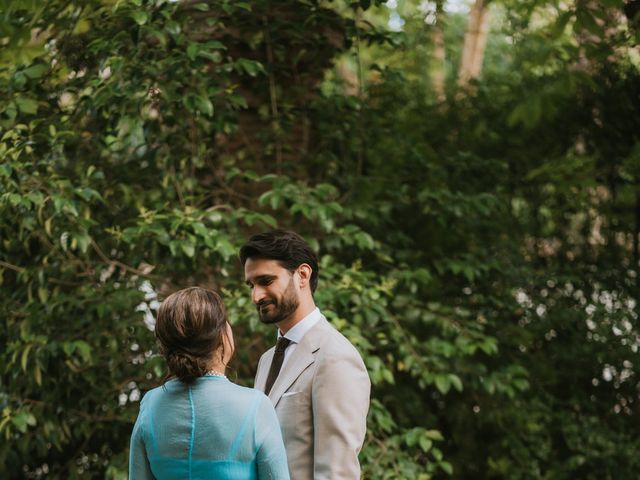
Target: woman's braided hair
x: 190, y: 327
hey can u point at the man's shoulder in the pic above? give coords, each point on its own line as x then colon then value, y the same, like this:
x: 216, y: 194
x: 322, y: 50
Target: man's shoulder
x: 334, y: 343
x: 339, y: 359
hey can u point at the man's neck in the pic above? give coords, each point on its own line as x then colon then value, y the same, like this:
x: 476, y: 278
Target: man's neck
x: 301, y: 312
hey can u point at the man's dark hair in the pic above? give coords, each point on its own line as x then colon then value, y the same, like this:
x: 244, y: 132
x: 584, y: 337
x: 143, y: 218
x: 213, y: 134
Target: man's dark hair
x: 288, y: 248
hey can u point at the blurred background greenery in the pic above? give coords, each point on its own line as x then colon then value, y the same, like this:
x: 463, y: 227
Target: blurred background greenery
x: 469, y: 172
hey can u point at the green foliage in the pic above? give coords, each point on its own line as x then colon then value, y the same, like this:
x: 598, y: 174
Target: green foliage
x: 482, y: 255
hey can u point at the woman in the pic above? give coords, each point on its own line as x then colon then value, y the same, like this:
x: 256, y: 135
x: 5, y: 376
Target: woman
x: 199, y: 424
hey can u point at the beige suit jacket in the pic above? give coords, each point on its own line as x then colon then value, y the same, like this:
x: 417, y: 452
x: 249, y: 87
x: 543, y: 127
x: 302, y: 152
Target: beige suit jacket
x: 321, y: 397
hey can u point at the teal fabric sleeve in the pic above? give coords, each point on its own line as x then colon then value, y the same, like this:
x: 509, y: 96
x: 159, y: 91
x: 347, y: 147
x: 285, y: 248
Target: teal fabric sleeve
x: 139, y: 468
x: 271, y: 457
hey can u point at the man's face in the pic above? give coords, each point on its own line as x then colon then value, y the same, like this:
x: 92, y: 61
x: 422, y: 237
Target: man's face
x: 273, y: 290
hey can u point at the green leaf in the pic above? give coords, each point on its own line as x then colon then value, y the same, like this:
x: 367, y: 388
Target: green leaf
x: 203, y: 7
x: 425, y: 443
x: 456, y: 382
x: 204, y: 105
x: 447, y: 467
x: 84, y: 349
x: 35, y: 71
x: 237, y: 100
x: 188, y: 248
x: 270, y: 196
x: 198, y: 103
x: 23, y: 420
x: 43, y: 294
x: 269, y: 220
x: 140, y: 17
x: 84, y: 240
x: 443, y: 383
x: 200, y: 229
x: 68, y: 348
x: 388, y: 376
x: 585, y: 20
x: 25, y: 358
x: 214, y: 44
x: 173, y: 28
x: 434, y: 435
x: 6, y: 170
x: 192, y: 51
x: 37, y: 375
x: 437, y: 454
x: 251, y: 67
x: 13, y: 198
x: 225, y: 248
x: 27, y: 105
x: 213, y: 56
x: 489, y: 346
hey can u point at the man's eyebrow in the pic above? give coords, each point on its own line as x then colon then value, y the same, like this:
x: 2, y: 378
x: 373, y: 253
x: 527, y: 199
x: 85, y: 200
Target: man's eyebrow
x: 260, y: 278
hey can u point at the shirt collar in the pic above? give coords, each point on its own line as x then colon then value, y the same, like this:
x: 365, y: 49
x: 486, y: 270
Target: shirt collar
x: 298, y: 331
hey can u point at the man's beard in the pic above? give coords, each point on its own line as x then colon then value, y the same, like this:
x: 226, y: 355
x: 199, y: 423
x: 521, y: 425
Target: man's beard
x: 282, y: 309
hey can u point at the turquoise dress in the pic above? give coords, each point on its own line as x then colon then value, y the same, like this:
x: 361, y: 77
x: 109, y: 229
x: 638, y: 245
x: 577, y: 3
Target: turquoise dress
x: 213, y: 429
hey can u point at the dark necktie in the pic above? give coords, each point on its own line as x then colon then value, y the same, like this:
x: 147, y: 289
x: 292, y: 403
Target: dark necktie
x: 276, y: 363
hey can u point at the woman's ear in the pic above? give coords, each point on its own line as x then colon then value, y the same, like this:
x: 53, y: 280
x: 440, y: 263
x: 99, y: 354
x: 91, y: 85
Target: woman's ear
x: 228, y: 343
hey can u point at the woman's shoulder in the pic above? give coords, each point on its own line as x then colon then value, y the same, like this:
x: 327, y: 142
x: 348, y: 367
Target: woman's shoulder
x: 235, y: 400
x: 240, y: 391
x: 167, y: 389
x: 153, y: 393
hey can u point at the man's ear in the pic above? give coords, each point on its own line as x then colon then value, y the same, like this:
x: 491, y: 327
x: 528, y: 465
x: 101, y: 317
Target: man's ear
x: 305, y: 271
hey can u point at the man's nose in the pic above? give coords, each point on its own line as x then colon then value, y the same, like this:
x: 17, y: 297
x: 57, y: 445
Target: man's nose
x: 257, y: 294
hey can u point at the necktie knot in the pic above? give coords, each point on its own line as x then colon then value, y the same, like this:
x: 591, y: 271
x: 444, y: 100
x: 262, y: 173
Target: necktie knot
x: 282, y: 344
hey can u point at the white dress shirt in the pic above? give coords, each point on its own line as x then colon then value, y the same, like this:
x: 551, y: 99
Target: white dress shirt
x: 298, y: 331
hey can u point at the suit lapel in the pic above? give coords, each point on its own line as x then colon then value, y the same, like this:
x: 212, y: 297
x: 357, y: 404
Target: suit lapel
x: 301, y: 358
x: 263, y: 369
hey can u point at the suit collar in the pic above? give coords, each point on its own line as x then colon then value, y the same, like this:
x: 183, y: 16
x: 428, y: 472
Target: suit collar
x: 300, y: 329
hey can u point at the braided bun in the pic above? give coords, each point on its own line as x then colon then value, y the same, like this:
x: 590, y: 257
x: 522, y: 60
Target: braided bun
x: 186, y: 367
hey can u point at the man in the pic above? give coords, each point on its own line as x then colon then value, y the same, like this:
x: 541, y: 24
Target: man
x: 314, y: 376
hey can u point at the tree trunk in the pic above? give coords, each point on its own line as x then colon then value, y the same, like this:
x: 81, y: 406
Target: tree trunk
x: 439, y: 76
x: 475, y: 41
